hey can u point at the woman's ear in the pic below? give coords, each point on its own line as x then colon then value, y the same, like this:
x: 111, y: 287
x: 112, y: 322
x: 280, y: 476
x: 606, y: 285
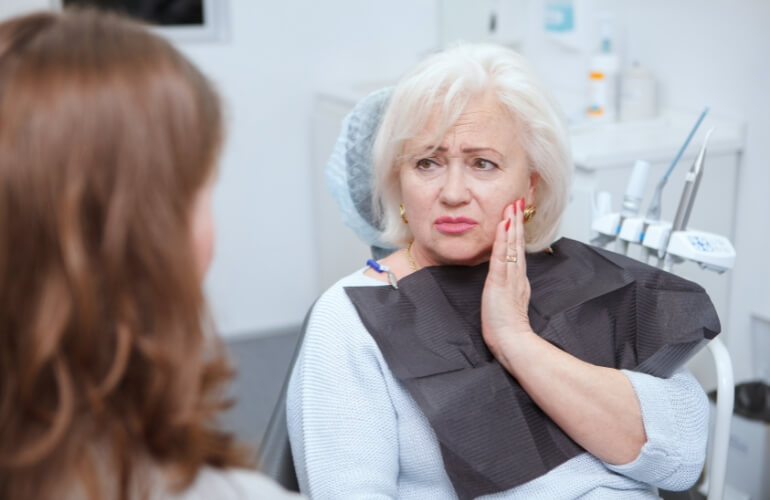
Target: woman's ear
x: 534, y: 177
x: 203, y: 229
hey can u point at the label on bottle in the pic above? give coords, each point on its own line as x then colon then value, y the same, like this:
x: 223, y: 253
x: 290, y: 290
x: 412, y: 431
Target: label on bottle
x: 601, y: 96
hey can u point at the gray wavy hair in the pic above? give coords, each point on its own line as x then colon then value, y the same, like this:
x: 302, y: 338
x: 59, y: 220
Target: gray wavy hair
x: 446, y: 81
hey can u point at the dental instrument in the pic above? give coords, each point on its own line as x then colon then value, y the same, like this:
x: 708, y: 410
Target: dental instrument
x: 691, y: 184
x: 653, y: 212
x: 632, y: 200
x: 673, y: 242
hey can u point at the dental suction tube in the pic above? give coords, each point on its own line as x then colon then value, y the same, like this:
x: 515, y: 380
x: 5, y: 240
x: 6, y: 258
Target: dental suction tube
x: 653, y: 212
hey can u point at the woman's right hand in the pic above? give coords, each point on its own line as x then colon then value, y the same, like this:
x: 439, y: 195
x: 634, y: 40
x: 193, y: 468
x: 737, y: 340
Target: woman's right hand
x: 595, y: 405
x: 505, y: 299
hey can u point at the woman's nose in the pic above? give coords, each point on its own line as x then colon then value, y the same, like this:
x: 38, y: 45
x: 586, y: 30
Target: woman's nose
x: 455, y: 189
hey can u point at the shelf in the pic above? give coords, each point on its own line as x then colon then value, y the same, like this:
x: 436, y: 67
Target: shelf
x: 596, y: 147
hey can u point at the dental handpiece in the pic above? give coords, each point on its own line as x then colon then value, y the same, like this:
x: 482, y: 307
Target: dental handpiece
x: 632, y: 199
x: 653, y: 212
x: 691, y: 184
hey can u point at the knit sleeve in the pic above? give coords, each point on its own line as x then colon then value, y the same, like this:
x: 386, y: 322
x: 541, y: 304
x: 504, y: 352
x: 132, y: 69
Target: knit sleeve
x: 341, y: 421
x: 675, y: 415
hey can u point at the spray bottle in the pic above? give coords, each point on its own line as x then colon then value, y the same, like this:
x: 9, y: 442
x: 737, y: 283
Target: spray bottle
x: 603, y: 79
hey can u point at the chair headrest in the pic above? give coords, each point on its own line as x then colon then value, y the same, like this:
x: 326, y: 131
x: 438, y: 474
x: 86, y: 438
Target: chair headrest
x: 349, y: 171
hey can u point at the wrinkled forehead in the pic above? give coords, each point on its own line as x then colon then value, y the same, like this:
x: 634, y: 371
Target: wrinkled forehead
x: 480, y: 120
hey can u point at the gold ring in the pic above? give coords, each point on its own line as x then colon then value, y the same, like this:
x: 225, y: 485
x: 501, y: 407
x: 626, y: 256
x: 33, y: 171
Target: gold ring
x: 511, y: 258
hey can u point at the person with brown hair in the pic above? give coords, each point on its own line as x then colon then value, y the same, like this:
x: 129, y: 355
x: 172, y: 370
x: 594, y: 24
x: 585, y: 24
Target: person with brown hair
x: 110, y: 377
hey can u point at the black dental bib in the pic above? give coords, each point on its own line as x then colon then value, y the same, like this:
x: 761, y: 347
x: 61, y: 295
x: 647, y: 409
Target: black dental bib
x: 599, y: 306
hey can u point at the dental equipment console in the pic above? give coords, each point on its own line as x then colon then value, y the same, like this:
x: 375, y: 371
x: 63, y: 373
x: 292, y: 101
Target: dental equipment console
x: 670, y: 243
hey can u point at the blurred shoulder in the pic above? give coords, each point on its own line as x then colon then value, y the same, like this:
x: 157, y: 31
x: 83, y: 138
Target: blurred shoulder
x: 335, y: 298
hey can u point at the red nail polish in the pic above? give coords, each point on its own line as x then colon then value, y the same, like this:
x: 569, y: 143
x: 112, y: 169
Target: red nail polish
x: 515, y: 203
x: 507, y: 224
x: 521, y: 204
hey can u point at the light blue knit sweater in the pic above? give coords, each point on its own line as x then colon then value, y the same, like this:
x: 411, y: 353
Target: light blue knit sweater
x: 357, y: 433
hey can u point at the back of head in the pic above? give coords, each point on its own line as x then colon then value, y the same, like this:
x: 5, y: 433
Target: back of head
x: 107, y: 134
x: 445, y: 82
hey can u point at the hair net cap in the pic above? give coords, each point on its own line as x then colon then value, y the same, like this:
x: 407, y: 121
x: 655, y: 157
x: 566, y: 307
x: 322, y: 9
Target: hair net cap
x: 349, y: 171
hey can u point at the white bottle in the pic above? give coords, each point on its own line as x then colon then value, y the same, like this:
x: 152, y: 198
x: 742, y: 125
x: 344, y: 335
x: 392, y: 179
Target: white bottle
x: 637, y: 94
x: 603, y: 81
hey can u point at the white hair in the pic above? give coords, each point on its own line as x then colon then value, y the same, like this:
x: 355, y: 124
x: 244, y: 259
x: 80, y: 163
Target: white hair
x: 447, y: 81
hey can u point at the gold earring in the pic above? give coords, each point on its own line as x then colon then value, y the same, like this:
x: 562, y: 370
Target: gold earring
x: 403, y: 214
x: 529, y: 212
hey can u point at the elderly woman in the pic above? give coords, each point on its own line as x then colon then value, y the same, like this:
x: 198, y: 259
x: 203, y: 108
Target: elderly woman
x: 479, y: 359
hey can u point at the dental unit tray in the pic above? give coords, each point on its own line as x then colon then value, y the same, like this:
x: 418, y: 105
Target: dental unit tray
x: 671, y: 243
x: 708, y: 250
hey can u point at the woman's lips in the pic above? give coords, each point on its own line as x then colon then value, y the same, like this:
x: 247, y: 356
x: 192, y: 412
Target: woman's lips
x: 454, y: 225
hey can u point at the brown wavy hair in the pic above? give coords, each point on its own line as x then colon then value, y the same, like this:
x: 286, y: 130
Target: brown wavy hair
x: 107, y: 134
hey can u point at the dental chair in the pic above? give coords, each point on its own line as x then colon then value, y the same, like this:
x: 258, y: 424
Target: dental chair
x: 274, y: 457
x: 348, y: 168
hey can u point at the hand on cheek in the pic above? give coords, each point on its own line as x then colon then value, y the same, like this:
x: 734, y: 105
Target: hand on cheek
x: 505, y: 299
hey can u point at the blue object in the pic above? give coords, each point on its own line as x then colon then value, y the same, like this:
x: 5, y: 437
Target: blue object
x: 383, y: 269
x: 559, y: 17
x: 375, y: 265
x: 653, y: 212
x: 686, y: 142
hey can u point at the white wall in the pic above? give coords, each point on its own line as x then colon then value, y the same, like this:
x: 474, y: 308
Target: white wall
x: 13, y: 7
x: 278, y: 55
x: 712, y: 52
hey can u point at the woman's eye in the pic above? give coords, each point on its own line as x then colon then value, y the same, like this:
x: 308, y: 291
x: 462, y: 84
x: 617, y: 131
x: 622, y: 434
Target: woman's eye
x: 426, y: 163
x: 483, y: 164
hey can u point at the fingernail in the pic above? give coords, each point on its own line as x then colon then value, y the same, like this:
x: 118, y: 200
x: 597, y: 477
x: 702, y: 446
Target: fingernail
x: 521, y: 204
x: 514, y: 207
x: 507, y: 224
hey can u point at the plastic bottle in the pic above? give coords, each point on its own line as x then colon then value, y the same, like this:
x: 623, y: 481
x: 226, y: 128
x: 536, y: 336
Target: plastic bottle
x: 637, y: 94
x: 603, y: 80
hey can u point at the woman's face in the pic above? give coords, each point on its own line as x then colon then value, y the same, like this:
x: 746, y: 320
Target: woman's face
x: 454, y: 196
x: 203, y: 229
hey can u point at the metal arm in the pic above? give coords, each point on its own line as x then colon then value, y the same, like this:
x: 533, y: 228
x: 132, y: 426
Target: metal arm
x: 724, y: 412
